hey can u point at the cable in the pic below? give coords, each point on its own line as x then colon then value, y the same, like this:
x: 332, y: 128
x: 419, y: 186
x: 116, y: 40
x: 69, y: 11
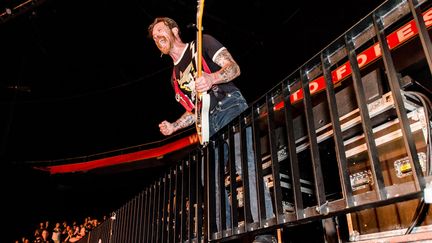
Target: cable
x: 422, y: 208
x: 420, y: 215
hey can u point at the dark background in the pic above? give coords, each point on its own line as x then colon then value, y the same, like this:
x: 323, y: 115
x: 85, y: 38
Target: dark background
x: 81, y: 77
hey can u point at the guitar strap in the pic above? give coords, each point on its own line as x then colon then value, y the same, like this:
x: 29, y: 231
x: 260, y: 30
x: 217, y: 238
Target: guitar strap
x: 179, y: 95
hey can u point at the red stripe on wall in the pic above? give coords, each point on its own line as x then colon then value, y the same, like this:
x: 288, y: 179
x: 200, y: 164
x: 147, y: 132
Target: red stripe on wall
x: 124, y: 158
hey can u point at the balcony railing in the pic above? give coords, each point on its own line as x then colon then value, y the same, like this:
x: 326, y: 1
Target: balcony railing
x: 344, y: 141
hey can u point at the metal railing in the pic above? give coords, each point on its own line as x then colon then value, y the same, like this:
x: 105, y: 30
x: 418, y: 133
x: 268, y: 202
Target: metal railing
x: 342, y: 134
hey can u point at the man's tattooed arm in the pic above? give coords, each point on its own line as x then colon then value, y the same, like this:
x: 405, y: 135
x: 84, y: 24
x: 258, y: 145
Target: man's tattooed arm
x: 230, y: 69
x: 185, y: 120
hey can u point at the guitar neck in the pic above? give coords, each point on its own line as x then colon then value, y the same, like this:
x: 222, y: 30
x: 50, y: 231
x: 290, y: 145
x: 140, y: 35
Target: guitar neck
x: 199, y: 37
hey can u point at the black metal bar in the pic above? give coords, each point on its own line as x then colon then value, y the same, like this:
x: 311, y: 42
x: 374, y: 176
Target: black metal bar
x: 291, y: 147
x: 113, y: 234
x: 136, y: 217
x: 210, y: 194
x: 401, y: 112
x: 337, y: 134
x: 113, y: 227
x: 131, y: 214
x: 164, y: 205
x: 145, y: 215
x: 258, y: 161
x: 98, y: 232
x: 153, y: 206
x: 149, y: 213
x: 277, y: 191
x: 365, y: 120
x: 132, y: 220
x: 106, y: 231
x: 127, y: 221
x: 170, y: 206
x: 233, y: 178
x: 141, y: 224
x: 190, y: 218
x: 199, y: 194
x: 423, y: 33
x: 245, y: 171
x: 159, y: 205
x: 122, y: 224
x: 185, y: 191
x: 152, y: 210
x: 178, y: 198
x: 221, y: 181
x: 313, y: 144
x: 154, y: 215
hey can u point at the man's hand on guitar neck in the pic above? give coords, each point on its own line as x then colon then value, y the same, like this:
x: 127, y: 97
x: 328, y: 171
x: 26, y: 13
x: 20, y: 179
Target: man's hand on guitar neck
x: 168, y: 128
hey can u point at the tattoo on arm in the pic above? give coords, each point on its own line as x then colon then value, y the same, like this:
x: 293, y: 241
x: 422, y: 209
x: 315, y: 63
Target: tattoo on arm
x: 185, y: 120
x: 229, y: 70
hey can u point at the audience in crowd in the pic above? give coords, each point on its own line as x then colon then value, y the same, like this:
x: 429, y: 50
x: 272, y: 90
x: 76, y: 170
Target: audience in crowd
x: 61, y: 232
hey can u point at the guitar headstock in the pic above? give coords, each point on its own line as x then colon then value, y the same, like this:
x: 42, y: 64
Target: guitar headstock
x: 200, y: 13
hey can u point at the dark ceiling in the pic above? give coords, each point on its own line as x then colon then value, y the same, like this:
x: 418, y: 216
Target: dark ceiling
x: 81, y: 77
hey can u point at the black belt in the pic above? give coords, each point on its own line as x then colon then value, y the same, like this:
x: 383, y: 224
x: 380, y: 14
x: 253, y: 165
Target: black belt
x: 218, y: 93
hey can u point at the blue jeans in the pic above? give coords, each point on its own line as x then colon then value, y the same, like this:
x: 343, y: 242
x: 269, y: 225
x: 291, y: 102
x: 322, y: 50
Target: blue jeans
x: 225, y: 111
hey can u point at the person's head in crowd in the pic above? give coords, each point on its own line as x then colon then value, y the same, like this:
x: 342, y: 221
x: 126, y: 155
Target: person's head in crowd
x: 45, y: 234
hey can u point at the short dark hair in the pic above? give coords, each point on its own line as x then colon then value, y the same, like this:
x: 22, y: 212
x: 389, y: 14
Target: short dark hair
x: 167, y: 21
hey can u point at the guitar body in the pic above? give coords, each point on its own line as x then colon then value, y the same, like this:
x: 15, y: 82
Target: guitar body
x: 202, y: 101
x: 202, y: 110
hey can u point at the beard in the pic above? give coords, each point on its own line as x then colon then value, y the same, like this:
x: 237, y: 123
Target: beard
x: 164, y: 45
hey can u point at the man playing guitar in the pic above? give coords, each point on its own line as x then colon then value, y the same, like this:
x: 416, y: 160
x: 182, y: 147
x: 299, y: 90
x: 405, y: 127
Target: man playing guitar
x: 226, y: 101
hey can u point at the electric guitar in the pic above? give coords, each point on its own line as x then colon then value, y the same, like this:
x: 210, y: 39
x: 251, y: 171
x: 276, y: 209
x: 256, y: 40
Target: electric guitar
x: 202, y: 100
